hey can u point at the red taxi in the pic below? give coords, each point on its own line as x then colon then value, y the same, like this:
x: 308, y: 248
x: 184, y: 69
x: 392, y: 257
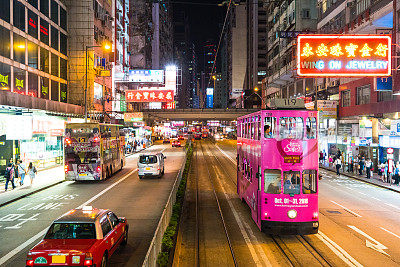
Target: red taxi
x: 81, y: 237
x: 176, y: 143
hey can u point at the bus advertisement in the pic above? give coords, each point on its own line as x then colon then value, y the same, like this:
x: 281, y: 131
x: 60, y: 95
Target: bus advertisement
x: 93, y: 151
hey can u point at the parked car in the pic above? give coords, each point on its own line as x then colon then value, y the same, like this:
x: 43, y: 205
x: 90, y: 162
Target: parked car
x: 81, y: 237
x: 151, y: 165
x: 176, y: 143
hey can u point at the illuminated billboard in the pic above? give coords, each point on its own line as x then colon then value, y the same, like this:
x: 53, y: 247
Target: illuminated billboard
x: 210, y: 98
x: 343, y: 55
x: 149, y: 95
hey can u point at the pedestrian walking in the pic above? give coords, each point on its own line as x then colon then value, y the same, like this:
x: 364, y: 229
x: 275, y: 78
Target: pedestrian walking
x: 351, y: 164
x: 321, y: 157
x: 32, y: 172
x: 368, y: 166
x: 338, y: 164
x: 21, y: 172
x: 385, y: 172
x: 9, y: 175
x: 362, y: 165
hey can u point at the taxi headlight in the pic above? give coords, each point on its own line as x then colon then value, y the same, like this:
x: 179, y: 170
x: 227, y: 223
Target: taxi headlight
x: 292, y: 214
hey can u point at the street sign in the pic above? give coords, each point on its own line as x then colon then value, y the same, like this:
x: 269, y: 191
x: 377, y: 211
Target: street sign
x: 149, y: 96
x: 344, y: 55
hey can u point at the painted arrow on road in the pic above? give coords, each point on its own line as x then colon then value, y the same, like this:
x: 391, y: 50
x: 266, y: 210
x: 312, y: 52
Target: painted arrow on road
x: 374, y: 244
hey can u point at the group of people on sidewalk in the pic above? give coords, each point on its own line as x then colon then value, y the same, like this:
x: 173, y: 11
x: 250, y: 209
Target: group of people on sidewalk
x: 387, y: 172
x: 18, y: 171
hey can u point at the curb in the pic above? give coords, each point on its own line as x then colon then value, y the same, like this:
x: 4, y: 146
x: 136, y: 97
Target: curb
x: 362, y: 180
x: 30, y: 193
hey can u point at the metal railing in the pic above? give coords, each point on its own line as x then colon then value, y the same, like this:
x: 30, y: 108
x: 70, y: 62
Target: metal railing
x: 155, y: 245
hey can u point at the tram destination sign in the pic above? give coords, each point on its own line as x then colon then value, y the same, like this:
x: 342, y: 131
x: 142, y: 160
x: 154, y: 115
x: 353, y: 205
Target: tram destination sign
x: 344, y: 55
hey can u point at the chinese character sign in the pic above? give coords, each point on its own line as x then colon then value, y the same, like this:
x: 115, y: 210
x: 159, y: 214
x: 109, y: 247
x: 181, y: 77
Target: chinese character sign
x: 149, y: 96
x: 343, y: 55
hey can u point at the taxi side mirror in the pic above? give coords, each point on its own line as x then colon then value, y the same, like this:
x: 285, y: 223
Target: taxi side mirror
x: 122, y: 220
x: 165, y: 157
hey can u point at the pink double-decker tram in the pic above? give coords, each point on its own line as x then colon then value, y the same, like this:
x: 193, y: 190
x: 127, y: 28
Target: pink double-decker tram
x: 277, y: 169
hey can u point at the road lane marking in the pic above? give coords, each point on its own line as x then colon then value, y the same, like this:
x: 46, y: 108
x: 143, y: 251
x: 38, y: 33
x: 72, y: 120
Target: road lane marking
x: 346, y: 209
x: 21, y: 247
x: 375, y: 245
x: 339, y: 251
x: 226, y: 155
x: 390, y: 232
x: 391, y: 205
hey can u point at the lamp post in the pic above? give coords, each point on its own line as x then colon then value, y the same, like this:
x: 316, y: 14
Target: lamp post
x: 106, y: 48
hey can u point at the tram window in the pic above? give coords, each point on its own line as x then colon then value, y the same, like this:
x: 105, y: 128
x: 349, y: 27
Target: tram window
x: 252, y: 130
x: 259, y: 178
x: 291, y: 182
x: 311, y: 128
x: 309, y: 181
x: 269, y: 127
x: 291, y: 128
x: 272, y: 181
x: 259, y: 128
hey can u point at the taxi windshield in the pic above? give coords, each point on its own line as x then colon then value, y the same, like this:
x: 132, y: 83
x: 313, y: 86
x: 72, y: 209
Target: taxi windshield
x: 148, y: 159
x: 71, y: 231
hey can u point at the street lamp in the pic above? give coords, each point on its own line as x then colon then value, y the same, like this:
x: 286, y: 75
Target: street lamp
x: 106, y: 48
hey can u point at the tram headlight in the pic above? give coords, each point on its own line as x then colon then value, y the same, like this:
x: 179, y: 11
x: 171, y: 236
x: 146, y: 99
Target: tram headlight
x: 315, y: 215
x: 292, y: 214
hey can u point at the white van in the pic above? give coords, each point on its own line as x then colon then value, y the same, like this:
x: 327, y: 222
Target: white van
x: 151, y: 165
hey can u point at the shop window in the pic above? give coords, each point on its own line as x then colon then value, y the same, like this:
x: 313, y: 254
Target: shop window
x: 44, y: 31
x: 291, y: 182
x: 269, y: 127
x: 44, y: 7
x: 5, y: 11
x: 63, y: 92
x: 44, y: 88
x: 54, y: 91
x: 19, y: 81
x: 33, y: 84
x: 385, y: 96
x: 44, y: 60
x: 33, y: 3
x: 363, y: 94
x: 33, y: 59
x: 272, y: 181
x: 63, y: 43
x: 311, y: 128
x: 63, y: 18
x: 5, y: 42
x: 54, y: 38
x: 5, y: 77
x: 54, y: 65
x: 346, y: 100
x: 309, y: 181
x: 19, y: 48
x: 19, y: 15
x: 63, y: 68
x: 291, y: 128
x: 33, y: 24
x: 54, y: 11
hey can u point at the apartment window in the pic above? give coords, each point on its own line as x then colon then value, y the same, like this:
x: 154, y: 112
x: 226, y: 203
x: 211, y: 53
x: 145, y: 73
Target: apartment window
x: 305, y: 13
x: 33, y: 55
x: 32, y: 84
x: 346, y: 100
x: 54, y: 65
x: 5, y: 42
x: 63, y: 69
x: 44, y: 88
x: 363, y: 94
x: 63, y: 43
x: 54, y: 38
x: 44, y: 60
x: 33, y: 3
x: 33, y: 24
x: 362, y: 5
x: 54, y: 11
x: 63, y: 92
x: 44, y: 31
x: 54, y: 91
x: 19, y: 48
x: 63, y: 18
x: 5, y: 10
x: 44, y: 7
x: 385, y: 96
x: 19, y: 15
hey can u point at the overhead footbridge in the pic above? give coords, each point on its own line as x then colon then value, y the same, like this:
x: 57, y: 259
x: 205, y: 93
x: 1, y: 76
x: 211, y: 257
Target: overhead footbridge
x: 195, y: 114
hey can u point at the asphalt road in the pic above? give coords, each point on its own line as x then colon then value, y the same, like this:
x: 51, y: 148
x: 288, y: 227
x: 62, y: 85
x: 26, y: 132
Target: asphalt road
x: 359, y: 222
x: 24, y: 222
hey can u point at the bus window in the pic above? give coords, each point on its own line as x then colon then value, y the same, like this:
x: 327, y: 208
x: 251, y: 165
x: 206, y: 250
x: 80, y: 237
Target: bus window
x: 291, y: 182
x: 291, y: 128
x: 311, y: 128
x: 269, y: 127
x: 309, y: 181
x: 272, y: 181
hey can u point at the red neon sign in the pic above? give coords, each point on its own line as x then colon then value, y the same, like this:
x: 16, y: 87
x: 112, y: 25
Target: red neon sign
x: 149, y: 96
x: 44, y: 30
x: 344, y: 55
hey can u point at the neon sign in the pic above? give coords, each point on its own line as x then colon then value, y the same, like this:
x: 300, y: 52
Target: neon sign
x: 343, y: 55
x: 149, y: 96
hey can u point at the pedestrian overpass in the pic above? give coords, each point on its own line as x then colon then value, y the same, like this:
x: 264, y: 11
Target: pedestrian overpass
x: 195, y: 114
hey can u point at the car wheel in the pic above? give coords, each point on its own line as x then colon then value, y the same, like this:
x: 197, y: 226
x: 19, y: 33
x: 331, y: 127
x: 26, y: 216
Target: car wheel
x: 104, y: 260
x: 162, y: 173
x: 125, y: 240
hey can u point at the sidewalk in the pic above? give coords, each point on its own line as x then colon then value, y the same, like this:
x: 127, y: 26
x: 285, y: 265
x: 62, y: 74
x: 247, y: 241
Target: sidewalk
x: 375, y: 179
x: 43, y: 180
